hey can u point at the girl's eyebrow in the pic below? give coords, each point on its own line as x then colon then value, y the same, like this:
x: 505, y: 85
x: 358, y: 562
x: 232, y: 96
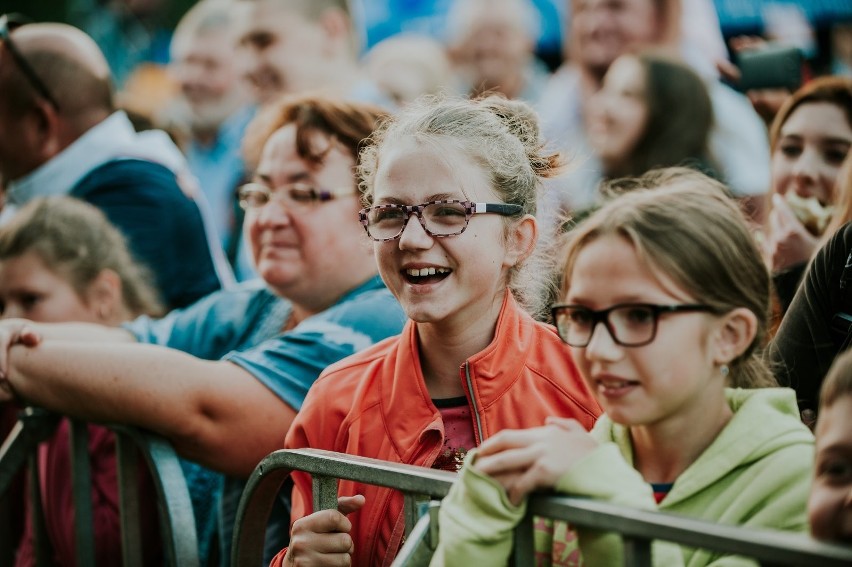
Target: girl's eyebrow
x: 430, y: 198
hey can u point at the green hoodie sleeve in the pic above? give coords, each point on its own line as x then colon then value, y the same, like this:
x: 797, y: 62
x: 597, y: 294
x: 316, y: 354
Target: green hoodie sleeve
x: 476, y: 521
x: 604, y: 475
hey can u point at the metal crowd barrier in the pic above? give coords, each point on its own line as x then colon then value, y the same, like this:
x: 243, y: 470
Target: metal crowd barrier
x: 176, y: 519
x: 638, y: 528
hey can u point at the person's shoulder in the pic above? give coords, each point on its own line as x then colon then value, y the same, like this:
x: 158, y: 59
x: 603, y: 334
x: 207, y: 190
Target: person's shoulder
x: 347, y: 387
x: 548, y: 351
x: 732, y: 106
x: 127, y: 171
x: 844, y: 234
x: 140, y: 180
x: 368, y: 361
x: 239, y: 297
x: 371, y: 306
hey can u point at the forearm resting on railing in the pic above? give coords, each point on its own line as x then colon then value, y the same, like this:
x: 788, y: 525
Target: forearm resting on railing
x: 213, y: 412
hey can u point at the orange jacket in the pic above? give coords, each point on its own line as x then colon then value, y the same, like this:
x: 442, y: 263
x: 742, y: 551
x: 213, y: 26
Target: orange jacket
x: 375, y: 404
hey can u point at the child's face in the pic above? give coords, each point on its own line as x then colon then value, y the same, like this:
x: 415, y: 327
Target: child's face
x: 469, y: 270
x: 31, y: 290
x: 663, y: 382
x: 830, y: 504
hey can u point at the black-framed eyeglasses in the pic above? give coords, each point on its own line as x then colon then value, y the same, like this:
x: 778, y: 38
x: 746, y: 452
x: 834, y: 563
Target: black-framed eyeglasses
x: 7, y: 24
x: 629, y: 324
x: 438, y: 218
x: 253, y: 196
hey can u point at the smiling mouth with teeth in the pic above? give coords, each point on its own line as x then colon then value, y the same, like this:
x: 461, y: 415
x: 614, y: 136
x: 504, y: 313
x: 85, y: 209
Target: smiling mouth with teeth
x: 425, y: 275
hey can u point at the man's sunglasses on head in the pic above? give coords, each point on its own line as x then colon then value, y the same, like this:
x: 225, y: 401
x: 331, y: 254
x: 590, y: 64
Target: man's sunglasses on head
x: 8, y: 23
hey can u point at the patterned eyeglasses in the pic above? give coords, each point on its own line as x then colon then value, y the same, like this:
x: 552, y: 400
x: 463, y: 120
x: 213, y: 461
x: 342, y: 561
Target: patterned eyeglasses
x: 7, y: 24
x: 438, y: 218
x: 629, y: 324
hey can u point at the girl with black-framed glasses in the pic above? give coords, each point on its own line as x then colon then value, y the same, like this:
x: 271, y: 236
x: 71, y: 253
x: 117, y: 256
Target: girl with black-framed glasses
x: 664, y: 306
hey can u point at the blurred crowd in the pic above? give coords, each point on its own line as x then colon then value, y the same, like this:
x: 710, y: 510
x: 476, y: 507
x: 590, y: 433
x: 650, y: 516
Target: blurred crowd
x: 218, y: 310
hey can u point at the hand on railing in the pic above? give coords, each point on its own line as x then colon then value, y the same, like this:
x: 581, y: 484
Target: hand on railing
x: 323, y: 537
x: 526, y: 460
x: 13, y: 332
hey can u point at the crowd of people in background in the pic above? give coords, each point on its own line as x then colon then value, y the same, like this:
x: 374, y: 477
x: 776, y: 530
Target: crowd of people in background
x: 426, y: 233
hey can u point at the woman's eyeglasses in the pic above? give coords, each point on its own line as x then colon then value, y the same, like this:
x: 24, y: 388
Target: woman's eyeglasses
x: 7, y: 24
x: 629, y: 324
x: 253, y: 196
x: 438, y: 218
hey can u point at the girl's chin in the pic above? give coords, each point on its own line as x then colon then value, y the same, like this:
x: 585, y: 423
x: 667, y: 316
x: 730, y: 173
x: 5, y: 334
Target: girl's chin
x: 419, y: 314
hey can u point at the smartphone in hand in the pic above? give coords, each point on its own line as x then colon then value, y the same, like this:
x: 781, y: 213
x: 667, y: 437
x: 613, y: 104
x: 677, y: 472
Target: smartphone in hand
x: 770, y: 67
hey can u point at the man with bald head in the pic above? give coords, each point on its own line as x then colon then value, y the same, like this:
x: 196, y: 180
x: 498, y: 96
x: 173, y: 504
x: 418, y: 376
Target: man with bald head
x: 61, y: 135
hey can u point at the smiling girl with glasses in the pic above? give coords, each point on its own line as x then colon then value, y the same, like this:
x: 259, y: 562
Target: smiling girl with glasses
x: 449, y: 189
x: 665, y: 311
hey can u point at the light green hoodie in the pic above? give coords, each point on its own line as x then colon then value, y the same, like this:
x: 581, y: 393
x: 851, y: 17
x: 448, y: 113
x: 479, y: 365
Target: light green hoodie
x: 756, y: 473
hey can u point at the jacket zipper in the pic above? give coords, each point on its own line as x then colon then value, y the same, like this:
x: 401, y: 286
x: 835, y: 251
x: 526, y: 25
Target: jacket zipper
x: 475, y: 409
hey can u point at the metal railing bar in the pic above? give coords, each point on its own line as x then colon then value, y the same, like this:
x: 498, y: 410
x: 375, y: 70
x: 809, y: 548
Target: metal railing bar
x: 127, y: 463
x: 764, y: 545
x: 266, y: 480
x: 406, y: 478
x: 177, y: 520
x: 411, y: 509
x: 324, y: 492
x: 524, y: 546
x: 637, y: 552
x: 417, y: 549
x: 34, y: 426
x: 637, y: 527
x: 81, y: 486
x: 41, y: 542
x: 253, y: 513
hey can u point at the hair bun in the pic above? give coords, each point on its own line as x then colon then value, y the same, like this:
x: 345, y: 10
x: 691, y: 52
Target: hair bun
x: 523, y: 122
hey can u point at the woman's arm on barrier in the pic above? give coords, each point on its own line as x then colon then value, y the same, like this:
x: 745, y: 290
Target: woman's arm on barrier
x: 215, y: 413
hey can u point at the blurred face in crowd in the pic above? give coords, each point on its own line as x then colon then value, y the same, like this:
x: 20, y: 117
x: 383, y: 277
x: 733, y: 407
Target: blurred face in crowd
x: 830, y: 503
x: 280, y: 51
x: 31, y: 290
x: 603, y: 30
x: 618, y: 112
x: 811, y: 147
x: 308, y: 250
x: 204, y: 67
x: 494, y: 48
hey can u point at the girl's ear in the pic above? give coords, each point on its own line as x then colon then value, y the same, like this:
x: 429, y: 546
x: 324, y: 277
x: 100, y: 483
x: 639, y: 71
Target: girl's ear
x: 522, y: 241
x: 736, y: 332
x: 104, y: 294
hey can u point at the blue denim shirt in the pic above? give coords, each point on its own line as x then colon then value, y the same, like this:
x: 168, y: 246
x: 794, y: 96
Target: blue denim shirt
x: 243, y: 326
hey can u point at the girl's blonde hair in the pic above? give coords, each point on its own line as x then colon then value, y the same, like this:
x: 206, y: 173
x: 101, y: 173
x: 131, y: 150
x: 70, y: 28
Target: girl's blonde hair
x: 838, y: 381
x: 501, y: 136
x: 76, y: 241
x: 684, y: 224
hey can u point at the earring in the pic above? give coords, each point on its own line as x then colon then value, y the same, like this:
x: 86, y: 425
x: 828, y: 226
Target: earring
x: 724, y: 370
